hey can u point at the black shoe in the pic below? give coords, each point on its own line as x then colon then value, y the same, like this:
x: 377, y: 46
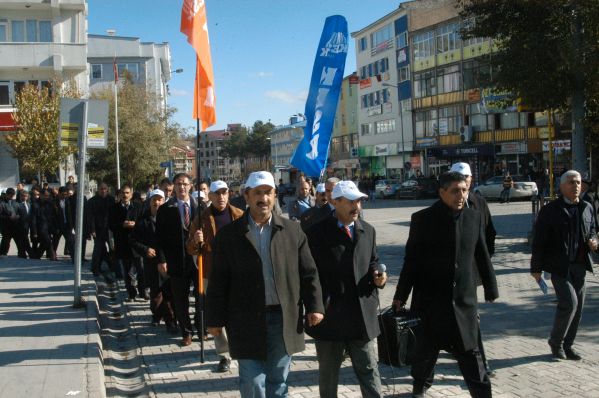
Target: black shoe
x: 419, y: 392
x: 557, y: 352
x: 491, y: 373
x: 224, y: 365
x: 572, y: 354
x: 172, y: 328
x: 155, y: 321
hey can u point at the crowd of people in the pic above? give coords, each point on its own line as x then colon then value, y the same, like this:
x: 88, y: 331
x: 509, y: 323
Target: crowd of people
x: 263, y: 280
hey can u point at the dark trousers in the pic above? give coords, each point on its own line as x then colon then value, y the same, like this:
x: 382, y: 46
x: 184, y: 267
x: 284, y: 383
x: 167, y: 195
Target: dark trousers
x: 133, y: 272
x: 9, y: 231
x: 180, y: 285
x: 23, y: 245
x: 363, y: 358
x: 161, y: 296
x: 570, y: 292
x: 101, y: 253
x: 69, y: 241
x: 46, y: 245
x: 470, y: 363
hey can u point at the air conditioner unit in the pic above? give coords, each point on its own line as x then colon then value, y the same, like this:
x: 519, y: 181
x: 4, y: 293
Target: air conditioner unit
x: 466, y: 133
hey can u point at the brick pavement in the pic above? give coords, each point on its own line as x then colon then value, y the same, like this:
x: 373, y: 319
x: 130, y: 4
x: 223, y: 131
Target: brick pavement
x: 515, y: 330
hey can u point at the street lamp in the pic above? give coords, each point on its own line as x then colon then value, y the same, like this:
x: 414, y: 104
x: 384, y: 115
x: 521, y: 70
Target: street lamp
x: 403, y: 148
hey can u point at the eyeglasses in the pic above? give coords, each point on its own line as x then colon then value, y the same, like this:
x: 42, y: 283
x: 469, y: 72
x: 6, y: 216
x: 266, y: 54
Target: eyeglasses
x: 182, y: 184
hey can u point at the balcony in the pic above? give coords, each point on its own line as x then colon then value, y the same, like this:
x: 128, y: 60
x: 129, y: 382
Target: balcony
x: 56, y: 56
x: 43, y: 4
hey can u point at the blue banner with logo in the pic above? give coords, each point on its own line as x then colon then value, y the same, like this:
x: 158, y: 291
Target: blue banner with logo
x: 327, y: 75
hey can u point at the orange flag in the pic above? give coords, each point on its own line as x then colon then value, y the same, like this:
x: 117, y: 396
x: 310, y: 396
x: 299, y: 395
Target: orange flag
x: 194, y: 24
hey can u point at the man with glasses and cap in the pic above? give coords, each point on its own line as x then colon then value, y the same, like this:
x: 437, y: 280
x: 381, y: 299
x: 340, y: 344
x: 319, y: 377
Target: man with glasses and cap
x: 201, y: 240
x: 263, y: 280
x: 173, y: 221
x: 344, y: 249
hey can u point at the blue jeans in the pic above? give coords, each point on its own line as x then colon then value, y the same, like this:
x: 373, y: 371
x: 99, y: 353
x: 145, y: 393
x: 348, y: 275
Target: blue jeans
x: 266, y: 379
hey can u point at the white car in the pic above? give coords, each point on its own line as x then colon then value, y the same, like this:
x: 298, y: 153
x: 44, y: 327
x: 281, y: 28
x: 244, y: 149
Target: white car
x: 521, y: 189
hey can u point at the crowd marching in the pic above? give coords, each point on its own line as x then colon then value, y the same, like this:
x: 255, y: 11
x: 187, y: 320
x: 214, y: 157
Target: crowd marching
x: 268, y: 279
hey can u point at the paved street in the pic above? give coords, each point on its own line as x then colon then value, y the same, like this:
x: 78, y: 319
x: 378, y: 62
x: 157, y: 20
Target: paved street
x: 145, y: 360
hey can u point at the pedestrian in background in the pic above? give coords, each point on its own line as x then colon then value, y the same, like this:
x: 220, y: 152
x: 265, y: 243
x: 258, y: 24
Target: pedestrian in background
x: 508, y: 183
x: 262, y: 282
x: 203, y: 230
x: 565, y: 236
x: 302, y: 203
x: 99, y: 214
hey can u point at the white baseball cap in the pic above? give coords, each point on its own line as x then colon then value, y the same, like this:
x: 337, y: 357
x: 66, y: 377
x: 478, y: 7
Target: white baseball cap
x: 258, y: 178
x: 462, y: 168
x: 348, y: 190
x: 320, y: 188
x: 218, y: 184
x: 155, y: 192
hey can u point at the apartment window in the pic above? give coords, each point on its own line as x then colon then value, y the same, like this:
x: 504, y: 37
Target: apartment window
x: 345, y: 143
x: 450, y: 120
x: 477, y: 120
x: 404, y: 73
x: 3, y: 30
x: 381, y: 36
x: 475, y: 40
x: 424, y: 85
x: 336, y: 145
x: 45, y: 31
x: 424, y: 45
x: 17, y: 31
x: 4, y: 93
x: 362, y: 44
x: 448, y: 38
x: 132, y: 70
x: 19, y: 86
x: 508, y: 120
x: 448, y: 79
x: 402, y: 40
x: 31, y: 25
x: 426, y: 123
x: 366, y: 129
x: 364, y: 101
x: 96, y: 71
x: 385, y: 126
x: 476, y: 74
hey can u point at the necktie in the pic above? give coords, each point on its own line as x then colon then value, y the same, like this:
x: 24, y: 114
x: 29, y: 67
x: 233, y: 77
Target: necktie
x: 186, y: 215
x: 347, y: 231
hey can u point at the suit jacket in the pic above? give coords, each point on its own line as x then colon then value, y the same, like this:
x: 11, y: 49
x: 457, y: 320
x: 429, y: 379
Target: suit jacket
x: 172, y: 236
x: 208, y: 226
x: 118, y: 215
x: 66, y: 216
x: 314, y: 216
x: 476, y: 201
x: 25, y: 215
x: 236, y: 297
x: 44, y: 219
x: 98, y: 210
x: 442, y: 253
x: 345, y: 269
x: 294, y: 207
x: 552, y: 236
x: 144, y: 237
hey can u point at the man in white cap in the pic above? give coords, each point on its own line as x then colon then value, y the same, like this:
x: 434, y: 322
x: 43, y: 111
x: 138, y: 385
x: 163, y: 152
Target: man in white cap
x: 201, y: 242
x: 479, y: 203
x: 144, y: 242
x: 262, y: 269
x: 344, y: 248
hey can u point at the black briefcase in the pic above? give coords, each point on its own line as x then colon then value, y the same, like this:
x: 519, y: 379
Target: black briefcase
x: 399, y: 331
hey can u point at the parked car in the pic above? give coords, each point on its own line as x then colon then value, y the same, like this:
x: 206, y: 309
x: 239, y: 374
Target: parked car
x: 386, y: 188
x: 418, y: 188
x: 521, y: 189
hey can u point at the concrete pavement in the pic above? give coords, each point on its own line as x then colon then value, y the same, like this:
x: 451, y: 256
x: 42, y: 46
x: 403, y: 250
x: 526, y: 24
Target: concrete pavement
x: 47, y: 348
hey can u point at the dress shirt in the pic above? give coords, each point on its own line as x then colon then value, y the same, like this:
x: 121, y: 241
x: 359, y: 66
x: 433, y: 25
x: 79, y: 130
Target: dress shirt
x: 262, y: 234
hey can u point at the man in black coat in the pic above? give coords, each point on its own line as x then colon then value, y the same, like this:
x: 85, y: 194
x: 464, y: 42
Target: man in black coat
x: 172, y: 228
x: 445, y: 249
x: 323, y: 210
x: 65, y: 208
x: 344, y: 249
x: 44, y: 225
x: 565, y: 235
x: 24, y: 211
x: 98, y: 214
x: 144, y: 242
x: 123, y: 217
x: 10, y: 221
x: 263, y: 279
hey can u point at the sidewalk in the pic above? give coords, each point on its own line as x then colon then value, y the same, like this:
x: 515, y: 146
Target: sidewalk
x: 47, y: 348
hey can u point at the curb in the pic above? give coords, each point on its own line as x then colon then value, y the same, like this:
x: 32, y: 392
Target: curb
x: 95, y: 367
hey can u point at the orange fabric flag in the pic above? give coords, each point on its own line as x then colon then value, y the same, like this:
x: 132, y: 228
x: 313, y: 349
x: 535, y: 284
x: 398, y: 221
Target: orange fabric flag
x: 194, y: 24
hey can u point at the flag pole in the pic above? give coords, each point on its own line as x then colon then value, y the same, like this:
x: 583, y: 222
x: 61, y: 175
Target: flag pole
x: 116, y: 124
x: 200, y: 262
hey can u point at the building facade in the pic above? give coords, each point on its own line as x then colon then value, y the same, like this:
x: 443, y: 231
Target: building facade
x: 40, y: 42
x: 384, y: 117
x: 344, y: 148
x: 283, y: 142
x: 146, y: 63
x: 214, y: 164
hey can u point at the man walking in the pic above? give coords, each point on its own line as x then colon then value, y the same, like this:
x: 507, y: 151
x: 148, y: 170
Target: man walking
x: 44, y: 224
x: 10, y: 222
x: 324, y: 209
x: 445, y: 249
x: 344, y: 249
x: 565, y: 235
x: 263, y: 279
x: 201, y: 242
x: 303, y: 202
x: 98, y: 215
x: 24, y: 226
x: 66, y: 222
x: 173, y: 221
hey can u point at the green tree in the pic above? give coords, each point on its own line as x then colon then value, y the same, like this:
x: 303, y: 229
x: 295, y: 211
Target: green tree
x: 145, y: 137
x: 236, y: 145
x: 546, y: 54
x: 35, y: 141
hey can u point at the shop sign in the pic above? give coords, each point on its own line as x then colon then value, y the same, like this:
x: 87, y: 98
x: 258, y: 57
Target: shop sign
x: 381, y: 150
x: 428, y: 141
x: 443, y: 127
x: 365, y: 83
x: 513, y: 148
x: 402, y: 56
x: 354, y: 79
x: 559, y: 144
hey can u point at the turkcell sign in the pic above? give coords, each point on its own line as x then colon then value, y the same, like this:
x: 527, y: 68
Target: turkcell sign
x: 327, y: 75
